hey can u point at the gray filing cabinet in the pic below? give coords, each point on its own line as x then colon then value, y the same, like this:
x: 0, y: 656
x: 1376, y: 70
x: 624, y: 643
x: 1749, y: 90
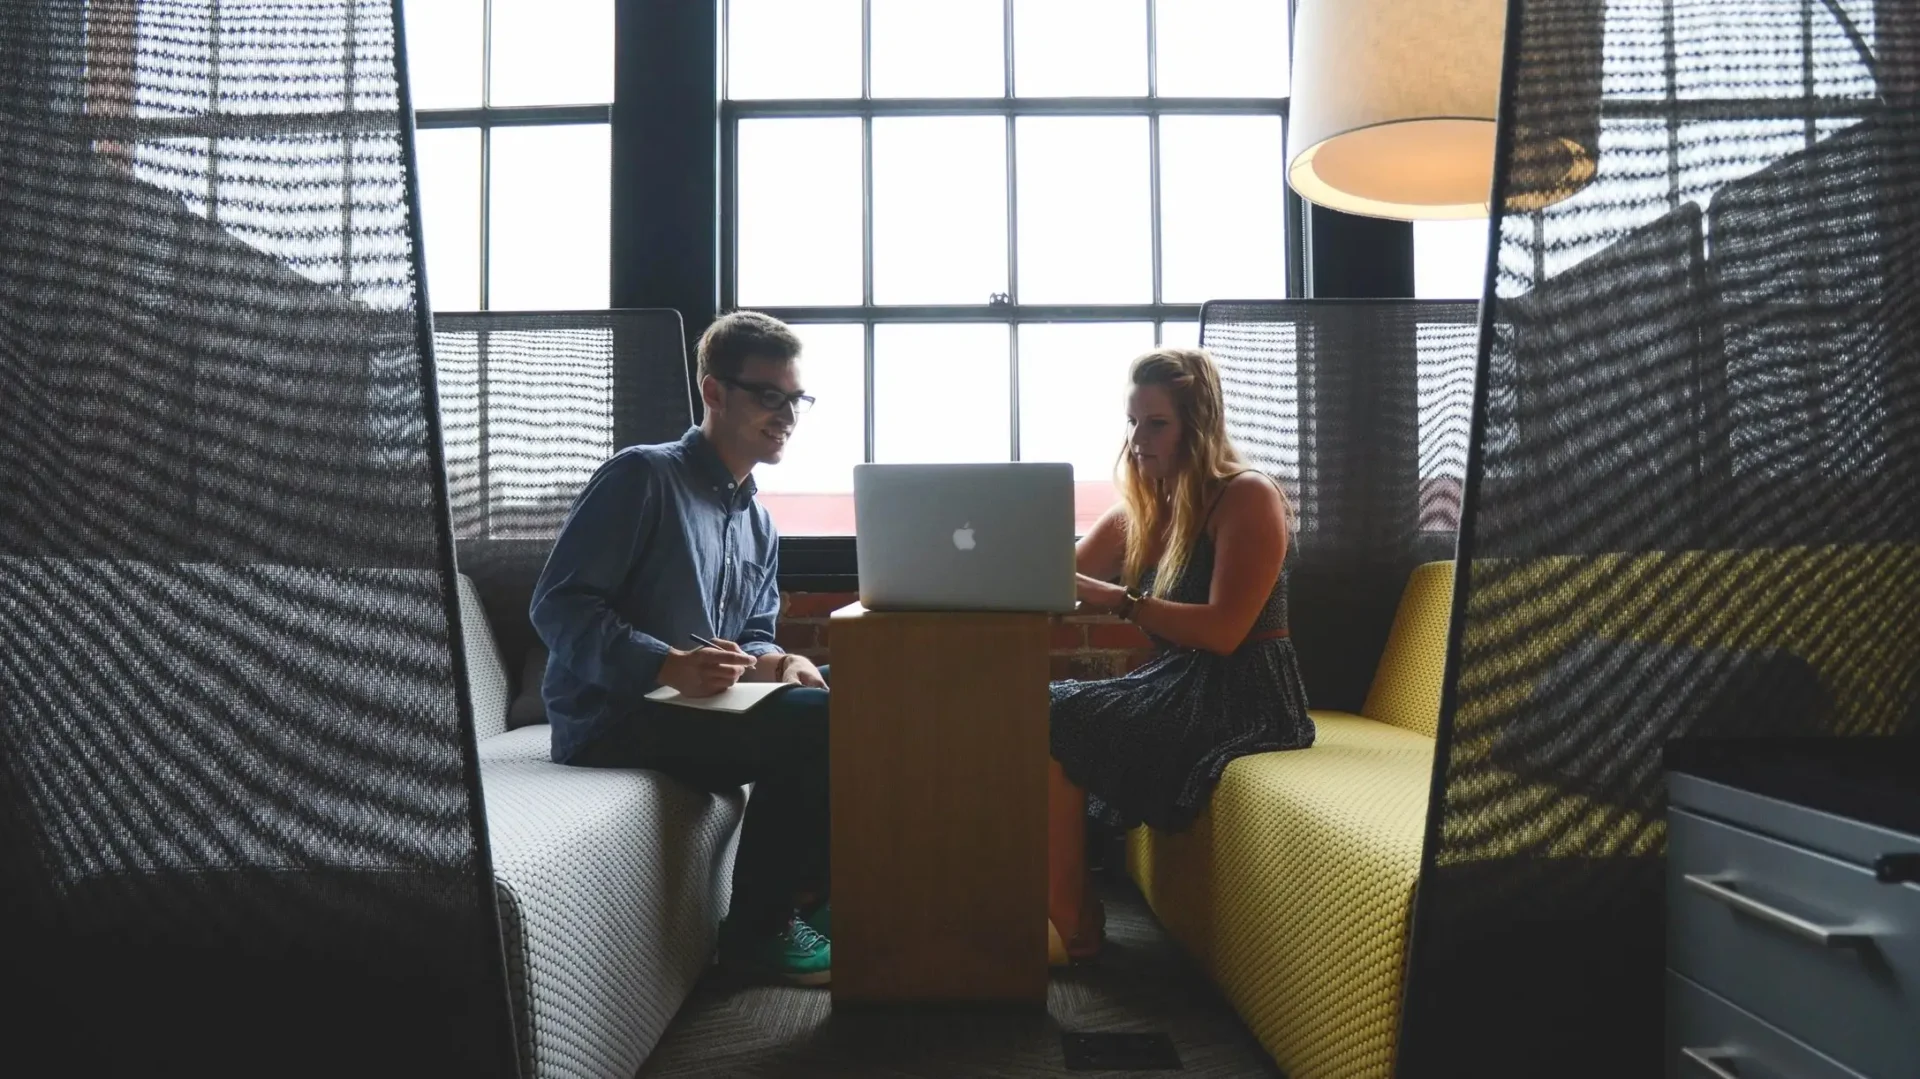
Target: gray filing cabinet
x: 1793, y: 934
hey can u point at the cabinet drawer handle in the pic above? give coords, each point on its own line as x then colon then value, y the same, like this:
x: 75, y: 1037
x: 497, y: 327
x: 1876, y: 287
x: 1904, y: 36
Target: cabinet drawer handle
x: 1827, y: 936
x: 1708, y: 1060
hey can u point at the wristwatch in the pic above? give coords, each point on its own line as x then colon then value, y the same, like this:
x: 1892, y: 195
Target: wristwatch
x: 1127, y: 605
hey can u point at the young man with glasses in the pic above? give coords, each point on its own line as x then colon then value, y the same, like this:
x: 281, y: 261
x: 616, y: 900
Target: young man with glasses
x: 666, y: 545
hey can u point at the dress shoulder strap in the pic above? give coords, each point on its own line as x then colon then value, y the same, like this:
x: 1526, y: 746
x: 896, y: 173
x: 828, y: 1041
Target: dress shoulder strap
x: 1217, y: 499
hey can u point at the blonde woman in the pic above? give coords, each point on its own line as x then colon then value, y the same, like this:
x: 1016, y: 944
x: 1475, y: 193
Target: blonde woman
x: 1197, y: 545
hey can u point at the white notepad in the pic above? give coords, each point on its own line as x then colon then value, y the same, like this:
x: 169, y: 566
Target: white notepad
x: 742, y: 696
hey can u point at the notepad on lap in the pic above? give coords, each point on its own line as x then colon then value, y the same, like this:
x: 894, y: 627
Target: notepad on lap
x: 740, y: 698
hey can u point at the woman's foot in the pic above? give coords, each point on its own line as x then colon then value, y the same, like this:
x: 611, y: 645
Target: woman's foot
x: 1084, y: 943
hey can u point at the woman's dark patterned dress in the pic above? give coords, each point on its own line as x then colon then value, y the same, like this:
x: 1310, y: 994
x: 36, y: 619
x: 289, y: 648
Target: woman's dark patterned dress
x: 1149, y: 746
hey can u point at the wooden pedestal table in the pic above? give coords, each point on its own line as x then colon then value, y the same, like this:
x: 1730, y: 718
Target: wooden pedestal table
x: 939, y: 807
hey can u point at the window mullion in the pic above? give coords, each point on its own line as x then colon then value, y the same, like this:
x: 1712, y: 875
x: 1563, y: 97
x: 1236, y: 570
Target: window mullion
x: 1153, y: 48
x: 1153, y: 147
x: 1013, y: 236
x: 866, y: 211
x: 486, y: 214
x: 486, y: 156
x: 867, y: 360
x: 1013, y: 391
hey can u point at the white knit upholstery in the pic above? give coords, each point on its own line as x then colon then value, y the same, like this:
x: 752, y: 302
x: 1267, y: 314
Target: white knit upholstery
x: 486, y: 676
x: 531, y: 743
x: 611, y: 885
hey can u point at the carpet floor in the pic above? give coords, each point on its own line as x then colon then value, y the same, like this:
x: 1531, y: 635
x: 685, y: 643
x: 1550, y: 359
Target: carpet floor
x: 1142, y: 983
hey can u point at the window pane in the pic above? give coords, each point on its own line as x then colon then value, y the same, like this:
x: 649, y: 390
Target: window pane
x: 285, y: 196
x: 952, y: 49
x: 444, y: 53
x: 810, y: 493
x: 265, y: 48
x: 1449, y: 259
x: 450, y: 215
x: 1073, y: 402
x: 552, y: 52
x: 793, y: 48
x: 549, y: 218
x: 939, y: 209
x: 1222, y: 48
x: 1222, y: 208
x: 1180, y: 334
x: 180, y: 167
x: 173, y: 47
x: 1749, y: 50
x: 799, y: 212
x: 941, y: 393
x: 1079, y: 48
x: 1085, y: 221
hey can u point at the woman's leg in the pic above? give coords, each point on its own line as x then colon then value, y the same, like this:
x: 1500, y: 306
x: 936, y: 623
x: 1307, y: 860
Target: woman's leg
x: 1067, y: 897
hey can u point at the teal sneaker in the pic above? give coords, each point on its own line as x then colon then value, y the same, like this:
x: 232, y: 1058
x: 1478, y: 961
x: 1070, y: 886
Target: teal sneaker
x: 797, y: 954
x: 822, y: 919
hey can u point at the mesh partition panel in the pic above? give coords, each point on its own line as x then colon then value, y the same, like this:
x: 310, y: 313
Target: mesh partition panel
x: 531, y: 405
x: 1361, y: 408
x: 240, y: 829
x: 1694, y: 500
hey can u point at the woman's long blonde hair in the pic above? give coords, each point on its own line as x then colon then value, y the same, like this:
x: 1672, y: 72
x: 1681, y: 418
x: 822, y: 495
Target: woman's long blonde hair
x: 1177, y: 506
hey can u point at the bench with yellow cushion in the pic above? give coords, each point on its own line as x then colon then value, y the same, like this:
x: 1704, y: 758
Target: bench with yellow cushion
x: 1294, y: 888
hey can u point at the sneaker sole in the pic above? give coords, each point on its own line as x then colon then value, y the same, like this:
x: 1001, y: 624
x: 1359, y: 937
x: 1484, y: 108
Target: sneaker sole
x: 755, y: 973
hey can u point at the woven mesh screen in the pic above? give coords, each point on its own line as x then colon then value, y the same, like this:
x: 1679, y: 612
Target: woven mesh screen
x: 1361, y: 408
x: 531, y: 404
x: 240, y: 829
x: 1694, y: 504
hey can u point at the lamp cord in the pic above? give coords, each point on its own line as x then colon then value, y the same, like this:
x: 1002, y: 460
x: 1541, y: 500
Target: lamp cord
x: 1858, y: 41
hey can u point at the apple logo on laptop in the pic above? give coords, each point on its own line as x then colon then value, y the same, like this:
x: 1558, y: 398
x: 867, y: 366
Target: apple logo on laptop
x: 963, y: 537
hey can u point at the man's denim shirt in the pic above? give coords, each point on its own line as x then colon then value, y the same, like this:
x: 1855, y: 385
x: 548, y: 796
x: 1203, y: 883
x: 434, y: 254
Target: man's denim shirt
x: 661, y: 545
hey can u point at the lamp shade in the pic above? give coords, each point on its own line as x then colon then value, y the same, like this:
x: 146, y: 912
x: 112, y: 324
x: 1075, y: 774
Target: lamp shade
x: 1394, y: 110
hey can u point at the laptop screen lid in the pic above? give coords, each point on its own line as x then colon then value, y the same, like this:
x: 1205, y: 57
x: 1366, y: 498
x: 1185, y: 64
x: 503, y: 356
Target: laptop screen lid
x: 965, y: 537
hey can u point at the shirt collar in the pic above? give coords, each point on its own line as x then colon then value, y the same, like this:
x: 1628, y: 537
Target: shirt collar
x: 710, y: 469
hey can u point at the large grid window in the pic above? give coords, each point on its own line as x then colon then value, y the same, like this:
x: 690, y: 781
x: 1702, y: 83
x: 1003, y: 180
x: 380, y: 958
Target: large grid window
x: 976, y: 212
x: 513, y: 101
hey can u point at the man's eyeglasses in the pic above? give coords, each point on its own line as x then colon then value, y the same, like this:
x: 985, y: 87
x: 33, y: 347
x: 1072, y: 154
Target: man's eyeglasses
x: 771, y: 398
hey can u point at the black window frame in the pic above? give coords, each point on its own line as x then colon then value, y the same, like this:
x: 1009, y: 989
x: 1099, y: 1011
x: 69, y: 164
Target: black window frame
x: 827, y: 562
x: 485, y: 118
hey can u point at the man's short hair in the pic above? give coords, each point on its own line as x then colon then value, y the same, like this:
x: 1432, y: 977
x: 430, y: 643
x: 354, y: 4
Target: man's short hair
x: 734, y: 339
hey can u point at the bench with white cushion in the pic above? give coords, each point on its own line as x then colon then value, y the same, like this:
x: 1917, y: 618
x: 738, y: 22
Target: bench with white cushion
x: 611, y: 884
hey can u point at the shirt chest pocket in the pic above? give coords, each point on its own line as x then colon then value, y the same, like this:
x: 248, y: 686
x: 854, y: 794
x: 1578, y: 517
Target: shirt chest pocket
x: 744, y: 594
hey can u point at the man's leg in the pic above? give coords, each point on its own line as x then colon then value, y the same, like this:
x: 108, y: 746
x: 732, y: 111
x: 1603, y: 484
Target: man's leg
x: 781, y: 748
x: 784, y: 839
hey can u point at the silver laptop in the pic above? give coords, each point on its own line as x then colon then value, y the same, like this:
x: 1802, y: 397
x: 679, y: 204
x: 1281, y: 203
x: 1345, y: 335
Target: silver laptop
x: 964, y: 537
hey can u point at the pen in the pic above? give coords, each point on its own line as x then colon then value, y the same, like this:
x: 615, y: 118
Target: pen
x: 707, y: 643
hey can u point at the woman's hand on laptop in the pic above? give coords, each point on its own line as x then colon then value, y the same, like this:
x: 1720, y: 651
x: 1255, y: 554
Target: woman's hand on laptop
x: 1097, y: 596
x: 704, y: 672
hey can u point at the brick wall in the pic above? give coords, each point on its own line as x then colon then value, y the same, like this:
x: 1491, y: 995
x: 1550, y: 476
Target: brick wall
x: 1084, y: 646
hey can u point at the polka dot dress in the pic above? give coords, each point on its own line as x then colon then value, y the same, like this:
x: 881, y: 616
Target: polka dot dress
x: 1149, y: 746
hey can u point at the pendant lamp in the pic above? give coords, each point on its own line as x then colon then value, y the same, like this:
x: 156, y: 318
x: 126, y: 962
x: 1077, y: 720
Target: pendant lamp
x: 1395, y: 104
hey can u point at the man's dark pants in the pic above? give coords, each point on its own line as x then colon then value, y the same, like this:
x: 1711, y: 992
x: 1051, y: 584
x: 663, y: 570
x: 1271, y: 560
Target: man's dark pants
x: 781, y: 748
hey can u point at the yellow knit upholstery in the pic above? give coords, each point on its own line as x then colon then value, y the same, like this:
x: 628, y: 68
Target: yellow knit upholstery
x: 1293, y: 889
x: 1406, y: 687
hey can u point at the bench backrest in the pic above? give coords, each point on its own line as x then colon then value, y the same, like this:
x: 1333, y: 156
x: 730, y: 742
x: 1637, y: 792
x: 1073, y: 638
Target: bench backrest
x: 1406, y: 685
x: 486, y: 677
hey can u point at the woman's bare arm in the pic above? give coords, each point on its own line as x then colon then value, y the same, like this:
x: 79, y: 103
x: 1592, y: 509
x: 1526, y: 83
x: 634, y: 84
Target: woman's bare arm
x: 1102, y: 552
